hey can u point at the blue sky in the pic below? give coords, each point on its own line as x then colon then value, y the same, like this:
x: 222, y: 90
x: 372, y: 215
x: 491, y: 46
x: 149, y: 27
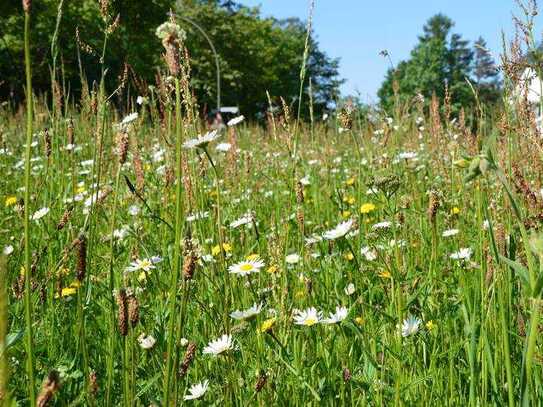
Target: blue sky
x: 357, y: 30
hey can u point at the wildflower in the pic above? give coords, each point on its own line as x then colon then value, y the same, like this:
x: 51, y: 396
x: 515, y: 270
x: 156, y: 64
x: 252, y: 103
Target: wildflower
x: 430, y: 325
x: 133, y: 210
x: 247, y: 314
x: 350, y: 289
x: 410, y: 326
x: 8, y: 250
x: 292, y: 258
x: 220, y: 345
x: 450, y: 232
x: 146, y: 341
x: 129, y: 119
x: 69, y: 291
x: 308, y: 317
x: 359, y: 320
x: 338, y: 316
x: 367, y: 208
x: 408, y: 155
x: 267, y: 325
x: 223, y: 147
x: 312, y: 239
x: 197, y: 216
x: 339, y: 231
x: 244, y: 220
x: 350, y: 182
x: 368, y: 253
x: 272, y: 269
x: 382, y: 225
x: 462, y: 254
x: 244, y: 268
x: 349, y: 256
x: 197, y: 390
x: 202, y: 141
x: 10, y: 200
x: 235, y: 121
x: 217, y: 249
x: 40, y: 213
x: 385, y: 274
x: 455, y: 210
x: 349, y: 199
x: 143, y: 265
x: 168, y: 29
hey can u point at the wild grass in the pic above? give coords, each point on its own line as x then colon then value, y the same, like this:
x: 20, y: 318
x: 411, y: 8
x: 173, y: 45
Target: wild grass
x: 375, y: 260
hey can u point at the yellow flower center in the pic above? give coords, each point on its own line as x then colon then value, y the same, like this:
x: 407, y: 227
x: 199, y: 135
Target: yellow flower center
x: 310, y: 321
x: 145, y: 264
x: 246, y: 267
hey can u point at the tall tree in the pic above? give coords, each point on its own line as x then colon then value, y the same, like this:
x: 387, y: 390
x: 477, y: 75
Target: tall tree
x: 486, y: 72
x: 440, y: 59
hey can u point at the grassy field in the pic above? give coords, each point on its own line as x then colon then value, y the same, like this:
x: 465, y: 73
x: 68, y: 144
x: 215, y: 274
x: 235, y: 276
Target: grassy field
x: 349, y: 261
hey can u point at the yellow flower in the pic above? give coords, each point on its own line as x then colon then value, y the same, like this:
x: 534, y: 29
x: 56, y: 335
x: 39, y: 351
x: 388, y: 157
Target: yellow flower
x: 251, y: 257
x: 359, y: 320
x: 367, y: 208
x: 299, y: 294
x: 272, y: 269
x: 349, y: 199
x: 385, y: 274
x: 80, y: 189
x: 11, y: 200
x: 430, y: 325
x: 217, y: 249
x: 349, y: 256
x: 346, y: 214
x: 147, y: 166
x: 455, y: 210
x: 349, y: 182
x: 267, y: 325
x: 70, y: 290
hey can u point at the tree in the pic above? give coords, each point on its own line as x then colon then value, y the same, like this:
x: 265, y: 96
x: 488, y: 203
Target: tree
x: 440, y: 60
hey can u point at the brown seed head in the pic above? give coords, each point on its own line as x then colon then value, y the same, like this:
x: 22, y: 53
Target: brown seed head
x: 48, y: 389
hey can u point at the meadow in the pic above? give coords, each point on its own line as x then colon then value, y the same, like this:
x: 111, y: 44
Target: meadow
x: 355, y: 259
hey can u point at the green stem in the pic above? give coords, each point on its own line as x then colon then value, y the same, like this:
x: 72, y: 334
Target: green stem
x: 28, y: 303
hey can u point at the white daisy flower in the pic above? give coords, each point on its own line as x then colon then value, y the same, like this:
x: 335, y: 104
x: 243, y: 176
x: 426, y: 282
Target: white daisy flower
x: 462, y: 254
x: 223, y: 147
x: 410, y: 326
x: 292, y: 258
x: 244, y: 220
x: 8, y: 250
x: 312, y: 240
x: 202, y: 141
x: 368, y: 253
x: 305, y: 181
x: 338, y: 316
x: 244, y: 268
x: 450, y: 232
x: 133, y: 210
x: 350, y: 289
x: 339, y: 231
x: 308, y: 317
x: 249, y: 313
x: 408, y: 155
x: 146, y: 341
x: 40, y: 213
x: 143, y: 265
x: 220, y: 345
x: 197, y: 390
x: 197, y: 216
x: 235, y: 121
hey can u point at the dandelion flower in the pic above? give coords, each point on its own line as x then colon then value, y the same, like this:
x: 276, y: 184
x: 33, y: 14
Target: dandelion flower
x: 410, y: 326
x: 339, y: 231
x: 308, y: 317
x: 219, y: 346
x: 367, y: 208
x: 197, y: 390
x: 244, y: 268
x: 10, y: 200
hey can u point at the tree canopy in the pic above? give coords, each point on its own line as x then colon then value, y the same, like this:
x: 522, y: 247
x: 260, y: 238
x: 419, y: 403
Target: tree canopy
x: 256, y: 54
x: 442, y: 59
